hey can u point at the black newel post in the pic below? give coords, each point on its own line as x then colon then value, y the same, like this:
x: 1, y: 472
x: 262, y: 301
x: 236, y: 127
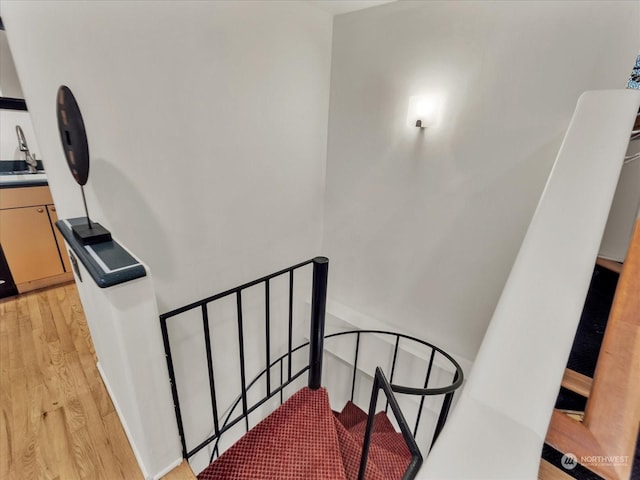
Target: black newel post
x: 316, y: 331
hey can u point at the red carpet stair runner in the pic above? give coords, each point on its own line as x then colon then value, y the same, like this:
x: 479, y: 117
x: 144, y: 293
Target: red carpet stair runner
x: 304, y: 439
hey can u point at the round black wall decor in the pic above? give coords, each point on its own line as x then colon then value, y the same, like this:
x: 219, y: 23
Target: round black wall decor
x: 73, y: 135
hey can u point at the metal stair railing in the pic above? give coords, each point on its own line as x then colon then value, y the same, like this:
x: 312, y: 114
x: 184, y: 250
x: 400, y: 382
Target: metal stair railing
x: 314, y: 366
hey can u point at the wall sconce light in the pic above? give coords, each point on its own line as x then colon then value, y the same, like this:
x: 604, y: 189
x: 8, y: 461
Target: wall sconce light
x: 423, y: 111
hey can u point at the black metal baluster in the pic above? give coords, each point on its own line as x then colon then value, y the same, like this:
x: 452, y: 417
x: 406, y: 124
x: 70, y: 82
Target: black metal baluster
x: 355, y: 366
x: 242, y: 371
x: 316, y: 331
x: 444, y: 412
x: 393, y: 368
x: 212, y: 385
x: 281, y: 381
x: 369, y: 428
x: 267, y: 335
x: 290, y: 321
x: 426, y: 382
x: 172, y: 380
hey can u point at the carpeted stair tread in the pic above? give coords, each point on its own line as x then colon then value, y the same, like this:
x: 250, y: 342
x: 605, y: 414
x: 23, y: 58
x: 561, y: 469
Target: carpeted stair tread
x: 381, y: 423
x: 351, y: 415
x: 351, y: 450
x: 388, y: 450
x: 382, y: 463
x: 298, y: 441
x: 393, y: 442
x: 391, y: 465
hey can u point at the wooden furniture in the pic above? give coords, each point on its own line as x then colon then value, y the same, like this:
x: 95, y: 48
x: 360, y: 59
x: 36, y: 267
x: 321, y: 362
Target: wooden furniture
x: 34, y: 250
x: 612, y: 415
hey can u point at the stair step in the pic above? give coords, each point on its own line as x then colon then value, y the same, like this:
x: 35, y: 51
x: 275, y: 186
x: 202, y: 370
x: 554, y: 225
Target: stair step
x: 388, y: 460
x: 577, y: 382
x: 351, y: 415
x: 381, y: 423
x: 297, y: 441
x: 351, y: 451
x: 393, y: 442
x: 305, y: 439
x: 391, y: 465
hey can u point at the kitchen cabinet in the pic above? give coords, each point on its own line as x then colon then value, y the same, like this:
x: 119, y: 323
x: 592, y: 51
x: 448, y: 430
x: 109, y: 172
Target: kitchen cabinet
x: 53, y: 216
x: 35, y: 254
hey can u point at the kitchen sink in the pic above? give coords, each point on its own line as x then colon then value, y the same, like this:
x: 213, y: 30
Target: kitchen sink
x: 14, y: 173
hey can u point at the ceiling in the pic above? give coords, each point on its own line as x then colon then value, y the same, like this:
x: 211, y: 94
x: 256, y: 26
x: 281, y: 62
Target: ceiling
x: 338, y: 7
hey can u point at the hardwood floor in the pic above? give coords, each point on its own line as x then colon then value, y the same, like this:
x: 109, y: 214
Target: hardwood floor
x: 57, y: 419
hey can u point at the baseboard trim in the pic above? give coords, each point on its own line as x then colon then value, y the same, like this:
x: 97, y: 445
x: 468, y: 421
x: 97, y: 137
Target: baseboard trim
x: 173, y: 465
x: 148, y: 476
x: 44, y: 282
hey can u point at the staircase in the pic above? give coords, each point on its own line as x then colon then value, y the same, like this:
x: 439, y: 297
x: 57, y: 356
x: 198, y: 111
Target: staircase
x: 305, y: 439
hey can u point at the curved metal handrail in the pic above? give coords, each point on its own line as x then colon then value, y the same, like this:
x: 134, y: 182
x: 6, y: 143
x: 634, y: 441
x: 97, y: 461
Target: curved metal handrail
x: 414, y: 390
x: 226, y: 425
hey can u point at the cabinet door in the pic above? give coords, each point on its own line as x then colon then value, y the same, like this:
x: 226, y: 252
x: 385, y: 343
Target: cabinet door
x: 29, y: 244
x: 59, y: 239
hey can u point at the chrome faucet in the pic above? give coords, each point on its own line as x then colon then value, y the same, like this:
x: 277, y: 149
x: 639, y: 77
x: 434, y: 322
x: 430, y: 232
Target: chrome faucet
x: 30, y: 160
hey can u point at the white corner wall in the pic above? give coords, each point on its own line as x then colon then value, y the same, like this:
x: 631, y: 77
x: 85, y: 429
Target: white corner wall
x: 422, y: 227
x: 207, y: 128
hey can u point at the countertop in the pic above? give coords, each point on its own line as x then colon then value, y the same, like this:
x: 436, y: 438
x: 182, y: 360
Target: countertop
x: 13, y: 174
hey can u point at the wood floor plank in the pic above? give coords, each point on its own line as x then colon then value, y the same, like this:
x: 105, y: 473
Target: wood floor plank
x: 66, y: 342
x: 45, y: 462
x: 54, y: 394
x: 121, y: 447
x: 57, y: 421
x: 34, y: 309
x: 6, y: 447
x: 85, y: 456
x: 29, y: 354
x: 46, y: 317
x: 61, y: 446
x: 22, y: 307
x: 19, y: 421
x: 14, y: 350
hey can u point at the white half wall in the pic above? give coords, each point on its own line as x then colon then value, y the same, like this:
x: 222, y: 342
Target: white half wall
x: 422, y: 226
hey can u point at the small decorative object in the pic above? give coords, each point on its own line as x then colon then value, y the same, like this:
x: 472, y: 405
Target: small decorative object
x: 634, y: 79
x: 74, y: 142
x: 423, y: 111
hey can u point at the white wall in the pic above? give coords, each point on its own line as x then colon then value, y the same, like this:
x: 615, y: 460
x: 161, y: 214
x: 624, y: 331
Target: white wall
x: 422, y: 227
x: 206, y: 122
x: 10, y: 87
x: 207, y: 128
x: 9, y: 83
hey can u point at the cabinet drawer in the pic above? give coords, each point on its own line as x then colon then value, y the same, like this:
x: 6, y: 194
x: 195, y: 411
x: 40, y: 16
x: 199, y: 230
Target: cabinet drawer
x: 24, y: 197
x: 29, y: 244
